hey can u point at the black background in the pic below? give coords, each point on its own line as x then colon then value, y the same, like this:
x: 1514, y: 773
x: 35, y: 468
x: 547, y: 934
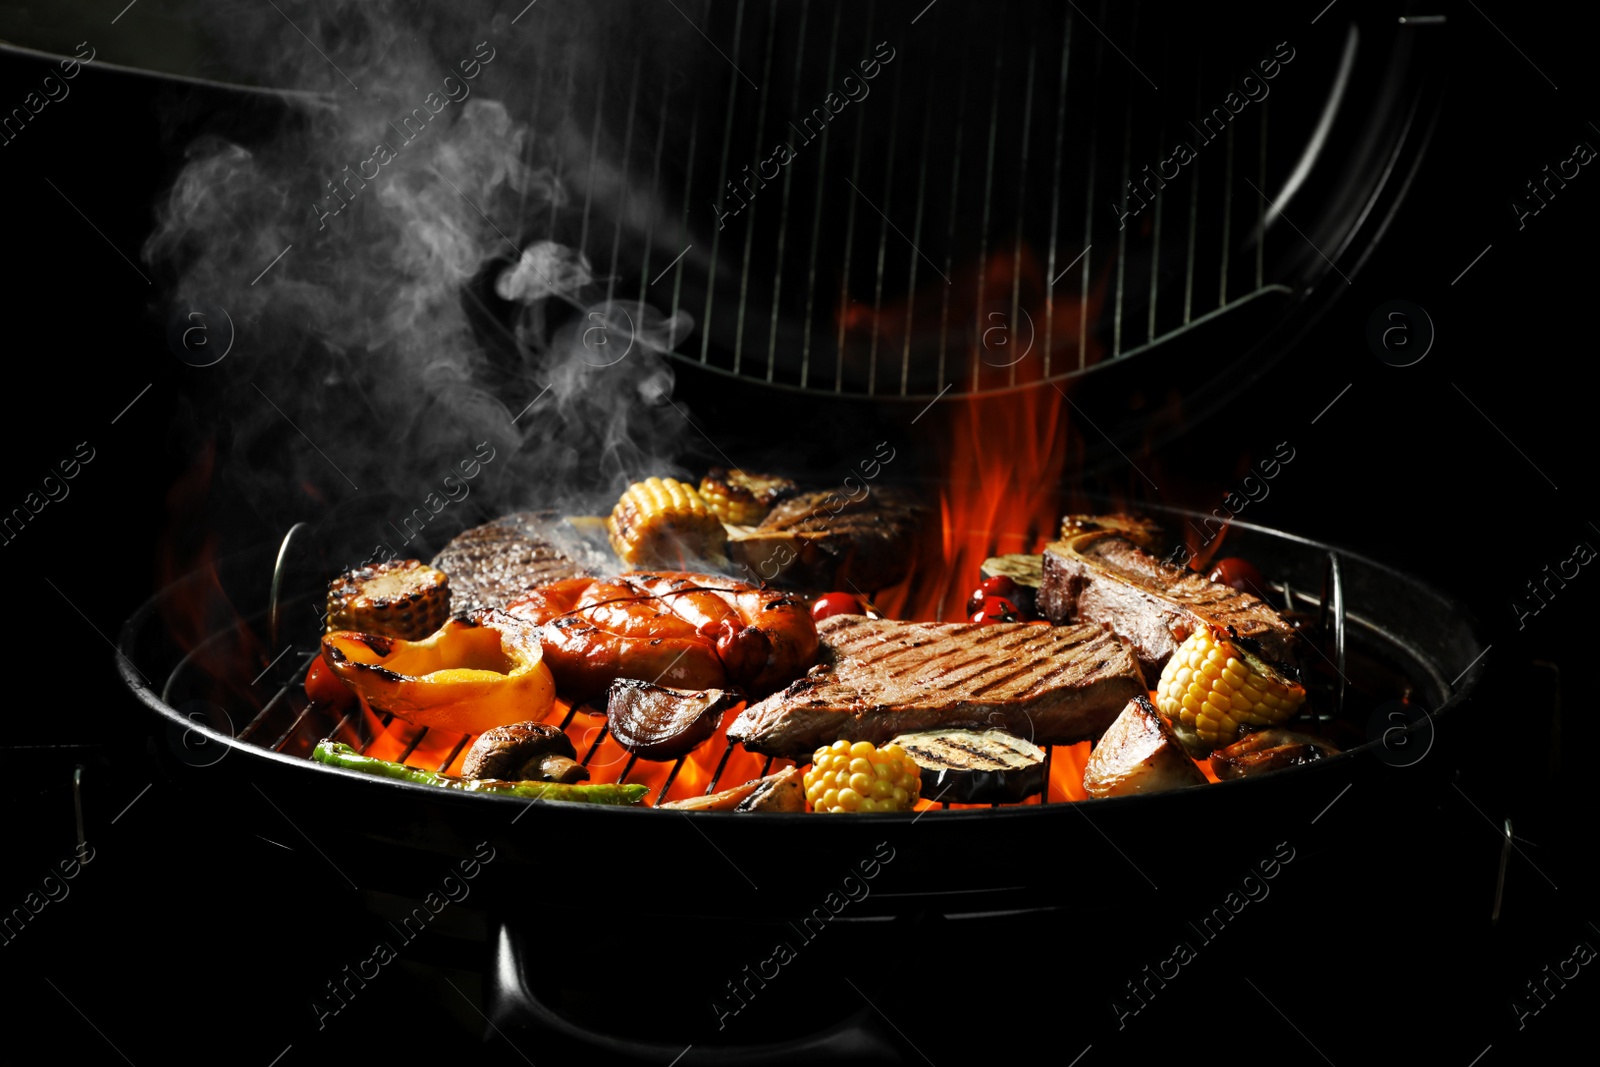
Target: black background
x: 189, y: 938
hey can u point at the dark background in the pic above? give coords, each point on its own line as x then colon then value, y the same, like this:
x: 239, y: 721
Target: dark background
x: 193, y: 935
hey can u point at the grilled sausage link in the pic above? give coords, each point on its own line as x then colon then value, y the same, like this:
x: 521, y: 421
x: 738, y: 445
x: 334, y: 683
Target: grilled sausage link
x: 687, y: 631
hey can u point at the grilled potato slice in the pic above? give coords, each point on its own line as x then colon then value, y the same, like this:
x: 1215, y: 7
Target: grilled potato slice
x: 1138, y: 754
x: 776, y: 792
x: 401, y: 598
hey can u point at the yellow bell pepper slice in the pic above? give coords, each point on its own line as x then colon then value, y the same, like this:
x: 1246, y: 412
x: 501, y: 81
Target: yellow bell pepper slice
x: 469, y: 676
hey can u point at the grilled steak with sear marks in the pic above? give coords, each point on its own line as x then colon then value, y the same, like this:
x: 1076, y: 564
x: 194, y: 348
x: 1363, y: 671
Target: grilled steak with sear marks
x: 1097, y: 576
x: 491, y: 565
x: 828, y: 541
x: 879, y: 678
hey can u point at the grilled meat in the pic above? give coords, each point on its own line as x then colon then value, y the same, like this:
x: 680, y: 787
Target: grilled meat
x: 740, y: 498
x: 829, y: 541
x: 689, y: 631
x: 1146, y: 533
x: 879, y: 678
x: 1138, y: 754
x: 975, y: 766
x: 657, y: 723
x: 524, y: 752
x: 1268, y: 750
x: 776, y: 792
x: 1097, y: 576
x: 397, y: 598
x: 492, y: 565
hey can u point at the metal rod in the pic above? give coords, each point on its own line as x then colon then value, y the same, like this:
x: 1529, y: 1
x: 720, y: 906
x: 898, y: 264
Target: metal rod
x: 783, y: 209
x: 605, y: 727
x: 816, y: 218
x: 722, y: 171
x: 716, y: 776
x: 77, y: 808
x: 883, y: 233
x: 627, y: 768
x: 1022, y: 184
x: 454, y: 752
x: 655, y: 198
x: 250, y: 727
x: 849, y: 242
x: 1261, y: 202
x: 916, y: 239
x: 412, y: 747
x: 621, y: 210
x: 384, y: 725
x: 1333, y: 600
x: 294, y: 727
x: 988, y: 198
x: 1227, y: 216
x: 750, y: 223
x: 1044, y: 794
x: 672, y: 776
x: 594, y: 156
x: 1122, y: 231
x: 1055, y: 200
x: 1088, y: 208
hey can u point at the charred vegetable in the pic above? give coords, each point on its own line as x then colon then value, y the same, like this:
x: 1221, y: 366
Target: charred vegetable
x: 740, y: 498
x: 862, y: 777
x: 657, y: 723
x: 1138, y: 754
x: 1268, y: 750
x: 1212, y: 690
x: 975, y: 766
x: 661, y: 522
x: 340, y: 755
x: 776, y: 792
x: 398, y: 598
x: 472, y: 675
x: 524, y: 752
x: 1015, y: 577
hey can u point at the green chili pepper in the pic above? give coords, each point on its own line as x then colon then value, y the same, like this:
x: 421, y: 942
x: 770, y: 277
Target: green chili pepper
x: 336, y: 754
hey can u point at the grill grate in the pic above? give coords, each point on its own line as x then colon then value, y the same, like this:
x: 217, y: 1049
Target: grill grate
x: 901, y: 254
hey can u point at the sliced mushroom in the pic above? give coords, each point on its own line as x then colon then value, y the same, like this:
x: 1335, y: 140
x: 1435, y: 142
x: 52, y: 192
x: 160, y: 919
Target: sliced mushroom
x: 1268, y: 750
x: 784, y: 791
x: 1138, y: 754
x: 524, y: 752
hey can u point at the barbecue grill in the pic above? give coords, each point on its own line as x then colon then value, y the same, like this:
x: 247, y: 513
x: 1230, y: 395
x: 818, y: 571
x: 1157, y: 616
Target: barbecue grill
x: 236, y: 721
x: 967, y: 231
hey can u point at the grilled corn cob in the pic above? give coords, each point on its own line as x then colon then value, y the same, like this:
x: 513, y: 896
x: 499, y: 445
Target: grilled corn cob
x: 862, y: 777
x: 743, y: 499
x: 663, y: 522
x: 1211, y: 691
x: 398, y: 598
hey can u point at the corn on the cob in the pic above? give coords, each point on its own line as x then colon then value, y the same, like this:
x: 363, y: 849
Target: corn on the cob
x: 1211, y: 691
x: 862, y: 777
x: 663, y: 522
x: 398, y: 598
x: 740, y: 498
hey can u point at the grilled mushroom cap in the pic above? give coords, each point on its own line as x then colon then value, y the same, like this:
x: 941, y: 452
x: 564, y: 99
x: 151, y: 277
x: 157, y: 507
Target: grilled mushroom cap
x: 524, y: 752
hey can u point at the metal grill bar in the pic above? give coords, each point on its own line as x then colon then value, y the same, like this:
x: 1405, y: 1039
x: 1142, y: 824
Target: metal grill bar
x: 722, y: 171
x: 672, y: 776
x: 1022, y: 185
x: 783, y: 212
x: 988, y: 196
x: 711, y: 786
x: 1055, y: 200
x: 266, y: 709
x: 627, y: 768
x: 750, y: 223
x: 816, y: 218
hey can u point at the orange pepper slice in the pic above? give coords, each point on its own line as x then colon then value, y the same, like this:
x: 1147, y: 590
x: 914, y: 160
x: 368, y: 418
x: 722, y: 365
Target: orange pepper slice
x: 469, y: 676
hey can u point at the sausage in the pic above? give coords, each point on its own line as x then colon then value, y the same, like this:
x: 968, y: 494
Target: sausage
x: 687, y: 631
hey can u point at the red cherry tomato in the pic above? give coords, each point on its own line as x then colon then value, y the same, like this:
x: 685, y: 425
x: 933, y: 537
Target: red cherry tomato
x: 1000, y: 585
x: 832, y: 604
x: 324, y: 687
x: 1239, y: 573
x: 995, y: 609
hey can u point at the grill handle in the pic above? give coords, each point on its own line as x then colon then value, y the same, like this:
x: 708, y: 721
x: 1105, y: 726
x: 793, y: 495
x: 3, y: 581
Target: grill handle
x: 512, y: 1005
